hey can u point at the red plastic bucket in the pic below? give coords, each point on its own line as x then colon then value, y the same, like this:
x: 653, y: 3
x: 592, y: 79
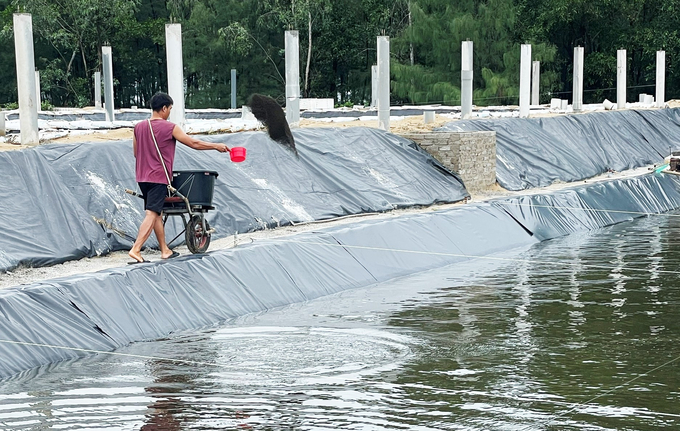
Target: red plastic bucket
x: 238, y: 154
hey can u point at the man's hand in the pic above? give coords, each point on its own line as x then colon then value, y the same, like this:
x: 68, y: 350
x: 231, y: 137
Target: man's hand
x: 222, y: 148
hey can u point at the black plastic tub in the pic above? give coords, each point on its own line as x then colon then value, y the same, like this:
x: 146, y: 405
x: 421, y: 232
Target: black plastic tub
x: 197, y: 186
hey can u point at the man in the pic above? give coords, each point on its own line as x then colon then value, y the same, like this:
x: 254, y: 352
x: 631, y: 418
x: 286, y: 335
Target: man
x: 151, y: 176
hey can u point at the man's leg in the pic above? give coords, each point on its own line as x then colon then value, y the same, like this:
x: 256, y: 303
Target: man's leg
x: 159, y: 230
x: 145, y: 229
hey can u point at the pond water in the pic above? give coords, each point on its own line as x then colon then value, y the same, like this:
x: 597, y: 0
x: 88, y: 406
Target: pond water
x: 577, y: 333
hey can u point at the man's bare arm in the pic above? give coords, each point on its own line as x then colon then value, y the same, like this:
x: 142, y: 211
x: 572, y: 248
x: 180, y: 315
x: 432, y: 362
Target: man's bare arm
x: 197, y: 144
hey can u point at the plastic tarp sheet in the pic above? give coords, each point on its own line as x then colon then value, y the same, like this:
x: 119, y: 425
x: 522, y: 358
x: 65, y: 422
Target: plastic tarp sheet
x: 537, y: 152
x: 67, y: 201
x: 109, y: 309
x: 41, y: 221
x: 593, y: 206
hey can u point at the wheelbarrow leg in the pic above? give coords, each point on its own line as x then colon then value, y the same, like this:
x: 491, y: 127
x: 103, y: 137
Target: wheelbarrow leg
x: 184, y: 221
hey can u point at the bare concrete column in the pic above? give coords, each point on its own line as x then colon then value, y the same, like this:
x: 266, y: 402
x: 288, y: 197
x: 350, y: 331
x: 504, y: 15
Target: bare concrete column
x: 233, y: 88
x: 107, y: 60
x: 524, y: 80
x: 3, y: 131
x: 621, y: 79
x: 384, y: 83
x: 97, y: 89
x: 374, y: 86
x: 660, y: 79
x: 577, y: 100
x: 292, y: 46
x: 428, y: 117
x: 466, y: 79
x: 25, y: 60
x: 38, y: 99
x: 535, y: 82
x: 173, y: 53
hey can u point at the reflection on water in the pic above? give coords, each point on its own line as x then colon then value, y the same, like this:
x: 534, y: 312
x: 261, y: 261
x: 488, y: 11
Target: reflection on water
x: 479, y: 346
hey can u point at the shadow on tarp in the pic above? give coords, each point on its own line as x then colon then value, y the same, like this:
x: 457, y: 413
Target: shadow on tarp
x: 111, y: 308
x: 68, y: 201
x: 535, y: 152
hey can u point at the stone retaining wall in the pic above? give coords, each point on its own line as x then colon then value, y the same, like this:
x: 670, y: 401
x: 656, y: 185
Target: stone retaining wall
x: 470, y: 154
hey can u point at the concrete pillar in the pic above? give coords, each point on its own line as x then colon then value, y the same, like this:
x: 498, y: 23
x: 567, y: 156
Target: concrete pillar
x: 97, y: 89
x: 107, y: 60
x: 233, y: 88
x: 524, y: 80
x: 3, y: 131
x: 38, y: 99
x: 535, y: 83
x: 384, y: 83
x: 25, y: 60
x: 374, y: 86
x: 292, y: 46
x: 577, y: 100
x: 173, y: 53
x: 660, y: 79
x: 466, y: 79
x: 621, y: 79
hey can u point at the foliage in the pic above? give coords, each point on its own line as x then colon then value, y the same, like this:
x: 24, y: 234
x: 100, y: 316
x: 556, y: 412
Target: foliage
x: 338, y: 47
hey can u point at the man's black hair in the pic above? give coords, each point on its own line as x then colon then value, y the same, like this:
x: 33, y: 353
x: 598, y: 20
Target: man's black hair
x: 160, y: 100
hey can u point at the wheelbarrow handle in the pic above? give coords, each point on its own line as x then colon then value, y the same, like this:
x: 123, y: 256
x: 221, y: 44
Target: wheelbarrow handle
x: 133, y: 193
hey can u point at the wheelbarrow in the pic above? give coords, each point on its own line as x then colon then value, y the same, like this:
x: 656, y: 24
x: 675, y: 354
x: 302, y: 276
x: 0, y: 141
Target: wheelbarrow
x: 191, y: 200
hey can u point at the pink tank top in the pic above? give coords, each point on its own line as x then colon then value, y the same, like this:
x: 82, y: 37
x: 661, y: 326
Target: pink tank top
x: 148, y: 167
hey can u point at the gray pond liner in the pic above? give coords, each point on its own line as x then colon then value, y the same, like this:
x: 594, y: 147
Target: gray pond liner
x: 535, y: 152
x: 111, y: 308
x: 67, y: 201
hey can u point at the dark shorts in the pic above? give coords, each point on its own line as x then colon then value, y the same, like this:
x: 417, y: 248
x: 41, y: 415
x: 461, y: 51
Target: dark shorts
x: 154, y: 195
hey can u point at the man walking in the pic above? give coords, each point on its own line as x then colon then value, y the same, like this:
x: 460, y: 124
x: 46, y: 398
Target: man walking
x: 153, y: 144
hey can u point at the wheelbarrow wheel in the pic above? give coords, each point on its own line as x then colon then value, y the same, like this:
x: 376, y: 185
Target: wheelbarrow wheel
x: 197, y: 238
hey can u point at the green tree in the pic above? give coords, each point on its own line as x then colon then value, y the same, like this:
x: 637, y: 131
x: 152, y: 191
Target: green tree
x: 75, y: 30
x: 602, y: 27
x: 8, y: 74
x: 437, y: 29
